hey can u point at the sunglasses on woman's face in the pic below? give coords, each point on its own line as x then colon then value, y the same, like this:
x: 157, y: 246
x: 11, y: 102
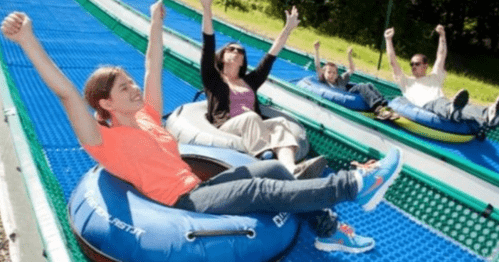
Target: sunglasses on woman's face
x: 234, y: 48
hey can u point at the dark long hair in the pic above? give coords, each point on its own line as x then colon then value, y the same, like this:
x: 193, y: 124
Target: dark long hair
x: 98, y: 86
x: 219, y: 62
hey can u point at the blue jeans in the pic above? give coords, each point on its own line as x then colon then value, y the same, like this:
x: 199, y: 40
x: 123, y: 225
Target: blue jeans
x: 475, y: 116
x: 369, y: 93
x: 267, y: 186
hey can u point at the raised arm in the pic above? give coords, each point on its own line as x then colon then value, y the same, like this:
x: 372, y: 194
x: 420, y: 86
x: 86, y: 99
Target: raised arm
x: 207, y: 17
x: 153, y: 94
x: 17, y: 27
x: 291, y: 23
x: 317, y: 59
x: 209, y: 74
x: 351, y: 65
x: 439, y: 65
x: 390, y: 51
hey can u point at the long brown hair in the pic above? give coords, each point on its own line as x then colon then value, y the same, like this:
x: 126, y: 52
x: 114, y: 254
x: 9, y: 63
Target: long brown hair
x: 98, y: 86
x: 219, y: 60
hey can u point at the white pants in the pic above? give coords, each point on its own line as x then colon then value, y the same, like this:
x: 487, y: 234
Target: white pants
x: 259, y: 135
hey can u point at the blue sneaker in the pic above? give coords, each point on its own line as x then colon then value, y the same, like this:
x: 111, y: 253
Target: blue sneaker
x: 377, y: 178
x: 345, y: 239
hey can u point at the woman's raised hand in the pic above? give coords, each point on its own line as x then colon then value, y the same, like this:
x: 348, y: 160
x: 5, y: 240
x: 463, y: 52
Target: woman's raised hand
x: 292, y: 20
x: 158, y: 10
x: 17, y: 27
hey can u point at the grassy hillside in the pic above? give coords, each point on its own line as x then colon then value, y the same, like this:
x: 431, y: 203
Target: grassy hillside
x: 334, y: 49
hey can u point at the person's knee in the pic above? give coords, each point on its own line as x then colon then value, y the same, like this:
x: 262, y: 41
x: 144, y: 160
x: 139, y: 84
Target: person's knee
x: 276, y: 170
x: 273, y: 165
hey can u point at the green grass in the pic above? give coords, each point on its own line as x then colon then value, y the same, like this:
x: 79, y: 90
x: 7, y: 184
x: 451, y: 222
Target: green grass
x: 334, y: 49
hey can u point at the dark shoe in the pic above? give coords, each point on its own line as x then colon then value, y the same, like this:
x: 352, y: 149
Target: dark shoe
x: 459, y: 101
x: 311, y: 168
x: 492, y: 111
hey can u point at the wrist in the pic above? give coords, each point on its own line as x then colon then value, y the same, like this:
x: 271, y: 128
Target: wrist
x: 290, y: 25
x: 27, y: 41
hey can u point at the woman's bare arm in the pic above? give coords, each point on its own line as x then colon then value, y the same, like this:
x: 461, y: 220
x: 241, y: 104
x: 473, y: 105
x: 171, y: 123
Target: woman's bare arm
x: 153, y: 93
x: 17, y: 27
x: 291, y: 23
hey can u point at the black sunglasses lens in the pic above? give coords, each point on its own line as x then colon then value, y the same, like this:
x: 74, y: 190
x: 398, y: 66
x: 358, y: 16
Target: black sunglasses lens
x: 239, y: 50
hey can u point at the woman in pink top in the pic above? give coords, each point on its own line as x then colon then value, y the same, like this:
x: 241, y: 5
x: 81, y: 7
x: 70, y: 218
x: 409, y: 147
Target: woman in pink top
x: 127, y: 139
x: 232, y: 103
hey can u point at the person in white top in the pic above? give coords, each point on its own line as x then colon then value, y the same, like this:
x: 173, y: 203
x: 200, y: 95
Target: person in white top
x: 425, y: 90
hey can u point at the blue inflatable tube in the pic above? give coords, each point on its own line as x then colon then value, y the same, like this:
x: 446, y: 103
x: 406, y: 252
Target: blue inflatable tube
x: 429, y: 119
x: 346, y: 99
x: 428, y: 124
x: 114, y: 222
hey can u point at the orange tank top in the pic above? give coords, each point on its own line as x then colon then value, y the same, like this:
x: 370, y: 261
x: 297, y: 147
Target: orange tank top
x: 148, y: 158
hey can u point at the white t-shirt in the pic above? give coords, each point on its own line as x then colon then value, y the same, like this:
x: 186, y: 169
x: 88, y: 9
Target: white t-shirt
x: 422, y: 90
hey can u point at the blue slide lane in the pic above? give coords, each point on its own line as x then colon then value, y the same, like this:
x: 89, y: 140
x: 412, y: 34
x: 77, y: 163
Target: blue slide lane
x: 79, y: 44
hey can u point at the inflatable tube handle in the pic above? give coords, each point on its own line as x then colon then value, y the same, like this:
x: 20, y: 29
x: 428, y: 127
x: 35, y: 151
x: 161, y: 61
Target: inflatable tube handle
x: 192, y: 235
x: 197, y: 95
x: 178, y: 113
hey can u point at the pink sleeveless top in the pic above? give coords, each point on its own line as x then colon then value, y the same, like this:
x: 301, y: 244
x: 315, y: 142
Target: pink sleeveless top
x: 241, y: 102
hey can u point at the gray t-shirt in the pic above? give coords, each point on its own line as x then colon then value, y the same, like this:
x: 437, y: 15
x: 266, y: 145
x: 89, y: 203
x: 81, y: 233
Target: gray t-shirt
x: 341, y: 82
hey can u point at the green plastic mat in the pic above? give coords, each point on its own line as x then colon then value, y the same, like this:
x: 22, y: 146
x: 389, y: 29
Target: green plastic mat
x: 445, y: 214
x: 426, y: 200
x: 50, y: 183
